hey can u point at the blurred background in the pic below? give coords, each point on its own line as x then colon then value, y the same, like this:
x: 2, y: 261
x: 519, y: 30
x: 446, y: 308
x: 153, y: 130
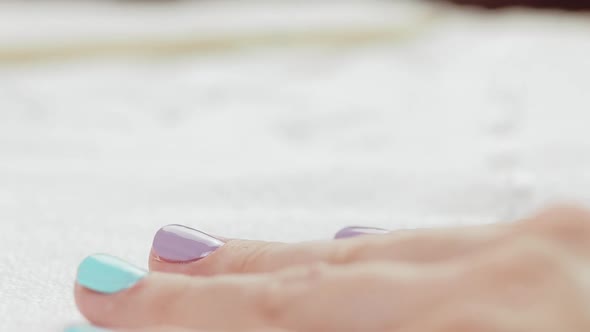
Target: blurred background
x: 276, y: 120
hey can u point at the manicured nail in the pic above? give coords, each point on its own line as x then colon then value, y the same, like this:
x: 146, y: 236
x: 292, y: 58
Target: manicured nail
x: 358, y: 230
x: 107, y: 274
x: 181, y: 244
x: 84, y: 328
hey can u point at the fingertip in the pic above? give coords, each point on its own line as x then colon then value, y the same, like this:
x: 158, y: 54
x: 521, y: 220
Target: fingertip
x: 102, y: 283
x: 90, y: 304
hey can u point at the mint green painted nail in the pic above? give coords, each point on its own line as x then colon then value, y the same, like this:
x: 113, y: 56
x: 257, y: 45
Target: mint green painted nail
x: 107, y: 274
x: 84, y: 328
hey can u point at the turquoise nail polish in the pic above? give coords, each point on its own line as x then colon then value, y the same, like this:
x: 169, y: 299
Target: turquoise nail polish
x: 84, y: 328
x: 107, y: 274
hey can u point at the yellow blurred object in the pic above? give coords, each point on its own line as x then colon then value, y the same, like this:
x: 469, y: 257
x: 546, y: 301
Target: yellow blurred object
x: 347, y: 36
x: 188, y: 45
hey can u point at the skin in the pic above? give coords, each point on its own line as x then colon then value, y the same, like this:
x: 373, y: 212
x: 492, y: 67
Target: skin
x: 530, y: 275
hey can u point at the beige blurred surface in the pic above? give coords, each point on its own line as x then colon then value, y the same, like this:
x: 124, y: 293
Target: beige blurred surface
x: 40, y: 32
x: 452, y: 118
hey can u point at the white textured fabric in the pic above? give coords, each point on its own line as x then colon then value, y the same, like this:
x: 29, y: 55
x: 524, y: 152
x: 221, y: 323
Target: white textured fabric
x: 475, y: 119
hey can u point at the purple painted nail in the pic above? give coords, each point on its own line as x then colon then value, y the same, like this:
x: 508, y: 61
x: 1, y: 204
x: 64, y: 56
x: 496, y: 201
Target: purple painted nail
x: 181, y: 244
x: 357, y: 231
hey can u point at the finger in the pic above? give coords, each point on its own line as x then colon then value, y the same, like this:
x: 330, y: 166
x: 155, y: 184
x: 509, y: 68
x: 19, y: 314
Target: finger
x: 371, y: 297
x: 180, y: 329
x: 90, y: 328
x: 161, y: 329
x: 179, y: 249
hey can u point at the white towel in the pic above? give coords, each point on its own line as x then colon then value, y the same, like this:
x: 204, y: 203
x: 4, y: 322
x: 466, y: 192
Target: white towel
x: 474, y: 119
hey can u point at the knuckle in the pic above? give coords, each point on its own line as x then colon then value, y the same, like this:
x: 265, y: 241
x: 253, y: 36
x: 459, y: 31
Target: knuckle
x: 253, y: 258
x: 468, y: 322
x: 537, y: 258
x: 562, y: 217
x: 566, y: 224
x: 527, y: 262
x: 520, y: 275
x: 271, y: 304
x: 286, y: 290
x: 169, y: 299
x: 351, y: 251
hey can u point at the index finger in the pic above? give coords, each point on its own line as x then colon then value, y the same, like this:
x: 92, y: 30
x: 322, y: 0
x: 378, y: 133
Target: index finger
x: 365, y: 297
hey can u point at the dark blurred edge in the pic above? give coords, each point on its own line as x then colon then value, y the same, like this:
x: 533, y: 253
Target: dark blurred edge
x: 492, y: 4
x: 557, y: 4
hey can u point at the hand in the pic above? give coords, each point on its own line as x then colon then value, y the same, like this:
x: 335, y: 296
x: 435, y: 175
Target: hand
x: 531, y: 275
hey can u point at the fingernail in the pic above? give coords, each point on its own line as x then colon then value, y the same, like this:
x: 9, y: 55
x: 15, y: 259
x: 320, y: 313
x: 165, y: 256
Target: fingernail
x: 84, y: 328
x: 358, y: 230
x: 108, y: 274
x: 181, y: 244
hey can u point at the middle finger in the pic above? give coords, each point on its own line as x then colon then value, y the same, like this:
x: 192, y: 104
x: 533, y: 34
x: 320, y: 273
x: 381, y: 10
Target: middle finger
x: 180, y: 249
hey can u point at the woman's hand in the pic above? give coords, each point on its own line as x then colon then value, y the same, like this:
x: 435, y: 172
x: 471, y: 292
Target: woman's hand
x: 532, y: 275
